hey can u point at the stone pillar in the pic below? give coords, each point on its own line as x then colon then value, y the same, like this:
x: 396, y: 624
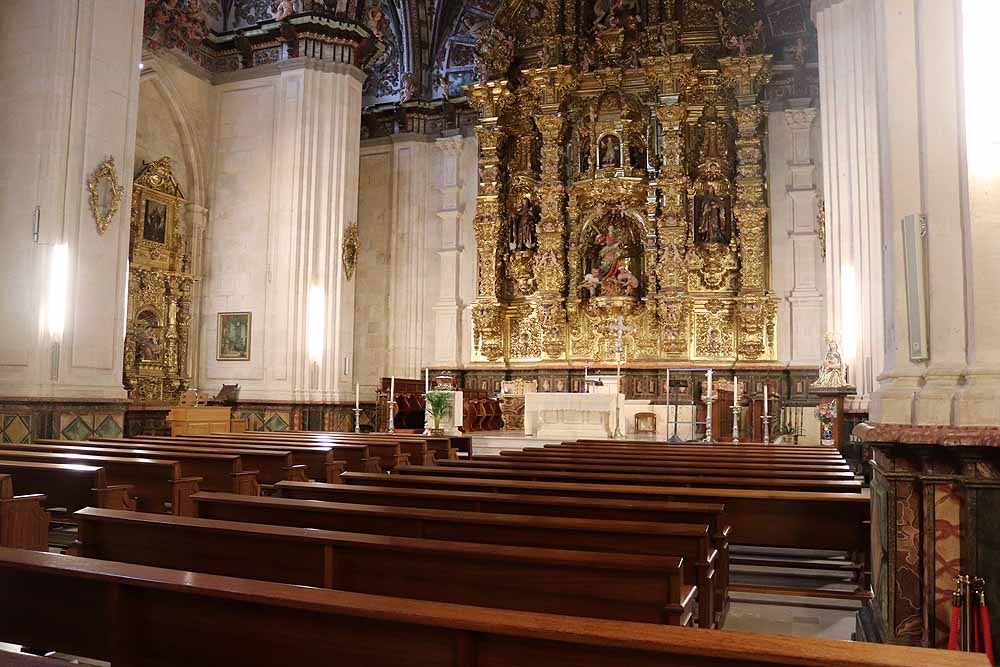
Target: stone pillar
x: 851, y: 185
x: 890, y: 103
x: 447, y: 308
x: 198, y: 217
x: 70, y: 94
x: 794, y: 235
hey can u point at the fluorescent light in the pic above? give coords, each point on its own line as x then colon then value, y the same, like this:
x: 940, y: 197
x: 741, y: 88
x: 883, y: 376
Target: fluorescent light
x: 58, y: 285
x: 316, y: 323
x: 982, y: 95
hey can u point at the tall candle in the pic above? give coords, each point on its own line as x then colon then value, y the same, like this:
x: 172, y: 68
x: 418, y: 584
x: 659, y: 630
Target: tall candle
x: 357, y: 396
x: 765, y: 400
x: 709, y: 396
x: 392, y: 388
x: 736, y: 390
x: 427, y: 380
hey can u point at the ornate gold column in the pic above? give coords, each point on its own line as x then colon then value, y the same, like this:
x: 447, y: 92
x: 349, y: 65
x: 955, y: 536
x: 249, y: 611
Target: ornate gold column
x: 489, y: 99
x: 756, y: 308
x: 549, y: 86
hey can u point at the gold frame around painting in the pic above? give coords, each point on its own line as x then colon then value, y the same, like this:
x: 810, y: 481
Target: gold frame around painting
x: 245, y: 355
x: 111, y: 193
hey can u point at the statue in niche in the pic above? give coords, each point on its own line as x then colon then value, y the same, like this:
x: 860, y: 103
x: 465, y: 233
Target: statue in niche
x: 283, y: 9
x: 147, y: 344
x: 636, y: 152
x: 584, y: 154
x: 592, y: 282
x: 609, y: 151
x: 711, y: 218
x: 611, y: 14
x: 628, y: 284
x: 522, y: 231
x: 610, y: 253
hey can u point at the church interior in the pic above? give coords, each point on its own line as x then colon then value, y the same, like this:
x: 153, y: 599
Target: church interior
x: 500, y: 332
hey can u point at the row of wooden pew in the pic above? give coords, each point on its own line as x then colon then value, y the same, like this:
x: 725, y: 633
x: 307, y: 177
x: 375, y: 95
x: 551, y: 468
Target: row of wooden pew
x: 398, y: 552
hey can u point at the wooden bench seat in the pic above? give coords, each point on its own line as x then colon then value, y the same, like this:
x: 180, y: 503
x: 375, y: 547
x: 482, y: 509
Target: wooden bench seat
x: 649, y: 589
x: 203, y: 619
x: 633, y: 457
x: 659, y: 467
x: 386, y: 454
x: 11, y: 659
x: 24, y: 523
x: 439, y: 445
x: 272, y: 464
x: 664, y: 479
x: 691, y: 541
x: 356, y: 458
x: 670, y: 450
x: 70, y: 486
x: 158, y: 485
x: 219, y: 472
x: 710, y: 514
x: 768, y: 518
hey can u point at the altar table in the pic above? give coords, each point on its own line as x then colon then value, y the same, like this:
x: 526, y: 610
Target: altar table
x: 570, y: 415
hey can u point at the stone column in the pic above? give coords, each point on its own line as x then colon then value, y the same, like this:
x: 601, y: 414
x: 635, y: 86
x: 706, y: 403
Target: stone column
x: 198, y: 217
x: 319, y: 113
x: 70, y: 94
x: 804, y: 274
x: 448, y: 306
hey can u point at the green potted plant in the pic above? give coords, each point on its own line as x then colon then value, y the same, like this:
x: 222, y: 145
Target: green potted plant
x: 438, y: 403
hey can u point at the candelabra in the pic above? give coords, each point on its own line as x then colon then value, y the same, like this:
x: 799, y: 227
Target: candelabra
x: 736, y: 424
x: 357, y: 420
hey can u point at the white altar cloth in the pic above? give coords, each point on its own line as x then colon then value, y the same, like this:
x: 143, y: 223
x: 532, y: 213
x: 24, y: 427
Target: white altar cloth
x: 570, y: 416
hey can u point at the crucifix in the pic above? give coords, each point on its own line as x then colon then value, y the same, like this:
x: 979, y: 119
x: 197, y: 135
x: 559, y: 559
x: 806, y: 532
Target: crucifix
x: 619, y: 349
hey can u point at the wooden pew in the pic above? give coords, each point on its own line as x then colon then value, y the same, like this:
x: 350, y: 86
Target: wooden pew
x: 11, y: 659
x: 70, y: 486
x: 710, y: 514
x: 203, y: 619
x: 639, y: 458
x: 219, y: 472
x: 378, y: 454
x: 439, y: 445
x: 664, y: 479
x: 693, y: 542
x: 659, y: 467
x: 715, y: 444
x: 674, y: 450
x: 421, y: 450
x: 158, y: 485
x: 581, y: 583
x: 272, y: 465
x: 24, y: 524
x: 765, y: 518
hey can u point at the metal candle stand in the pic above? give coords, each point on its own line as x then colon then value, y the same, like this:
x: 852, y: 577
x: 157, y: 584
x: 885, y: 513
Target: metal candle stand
x: 357, y: 420
x: 736, y: 424
x: 392, y: 416
x: 708, y: 418
x: 767, y: 428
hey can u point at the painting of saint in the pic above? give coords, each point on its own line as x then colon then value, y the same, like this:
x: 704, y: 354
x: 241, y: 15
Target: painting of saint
x: 711, y: 218
x: 233, y: 337
x: 154, y: 224
x: 609, y: 151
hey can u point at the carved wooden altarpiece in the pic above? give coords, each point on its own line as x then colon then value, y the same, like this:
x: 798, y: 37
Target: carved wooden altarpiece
x: 159, y: 289
x: 625, y: 141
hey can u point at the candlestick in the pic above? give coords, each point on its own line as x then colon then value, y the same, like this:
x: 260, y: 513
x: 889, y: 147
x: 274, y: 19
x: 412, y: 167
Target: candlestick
x: 736, y: 424
x: 765, y: 418
x: 392, y: 388
x: 427, y: 380
x: 736, y: 390
x: 708, y: 412
x: 357, y: 396
x: 357, y: 420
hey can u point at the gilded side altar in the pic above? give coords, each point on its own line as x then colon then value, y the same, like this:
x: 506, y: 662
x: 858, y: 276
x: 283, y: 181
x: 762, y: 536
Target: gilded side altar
x: 621, y: 173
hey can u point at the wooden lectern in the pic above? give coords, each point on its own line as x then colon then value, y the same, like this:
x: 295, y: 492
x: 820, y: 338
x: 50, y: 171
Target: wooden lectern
x: 199, y: 420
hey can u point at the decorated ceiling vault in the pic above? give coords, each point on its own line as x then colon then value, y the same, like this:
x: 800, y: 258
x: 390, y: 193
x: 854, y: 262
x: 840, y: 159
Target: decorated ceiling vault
x: 621, y: 175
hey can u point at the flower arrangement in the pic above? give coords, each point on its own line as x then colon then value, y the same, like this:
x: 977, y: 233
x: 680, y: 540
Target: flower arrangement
x: 438, y: 402
x: 826, y: 413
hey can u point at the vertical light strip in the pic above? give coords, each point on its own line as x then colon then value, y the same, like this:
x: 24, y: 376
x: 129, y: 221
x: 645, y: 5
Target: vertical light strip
x: 982, y: 95
x: 58, y: 286
x: 316, y: 323
x: 849, y: 302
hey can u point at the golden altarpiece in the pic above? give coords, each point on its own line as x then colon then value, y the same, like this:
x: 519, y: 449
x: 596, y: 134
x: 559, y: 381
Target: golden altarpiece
x: 159, y: 289
x: 621, y: 174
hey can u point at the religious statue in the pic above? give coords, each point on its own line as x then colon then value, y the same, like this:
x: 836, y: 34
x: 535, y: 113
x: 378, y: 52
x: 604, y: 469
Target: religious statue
x: 636, y: 152
x: 610, y: 253
x: 147, y: 344
x: 522, y: 235
x: 712, y: 225
x: 832, y: 373
x: 627, y: 282
x: 592, y: 282
x: 283, y: 9
x: 609, y: 151
x: 584, y: 154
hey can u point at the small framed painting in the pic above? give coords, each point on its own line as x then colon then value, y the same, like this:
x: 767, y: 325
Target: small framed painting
x: 154, y: 224
x: 233, y: 336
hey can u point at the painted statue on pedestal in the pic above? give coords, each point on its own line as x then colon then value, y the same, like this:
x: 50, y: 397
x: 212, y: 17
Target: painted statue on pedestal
x: 832, y: 373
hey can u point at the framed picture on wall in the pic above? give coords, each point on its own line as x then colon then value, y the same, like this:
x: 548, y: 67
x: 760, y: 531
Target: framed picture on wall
x: 233, y: 337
